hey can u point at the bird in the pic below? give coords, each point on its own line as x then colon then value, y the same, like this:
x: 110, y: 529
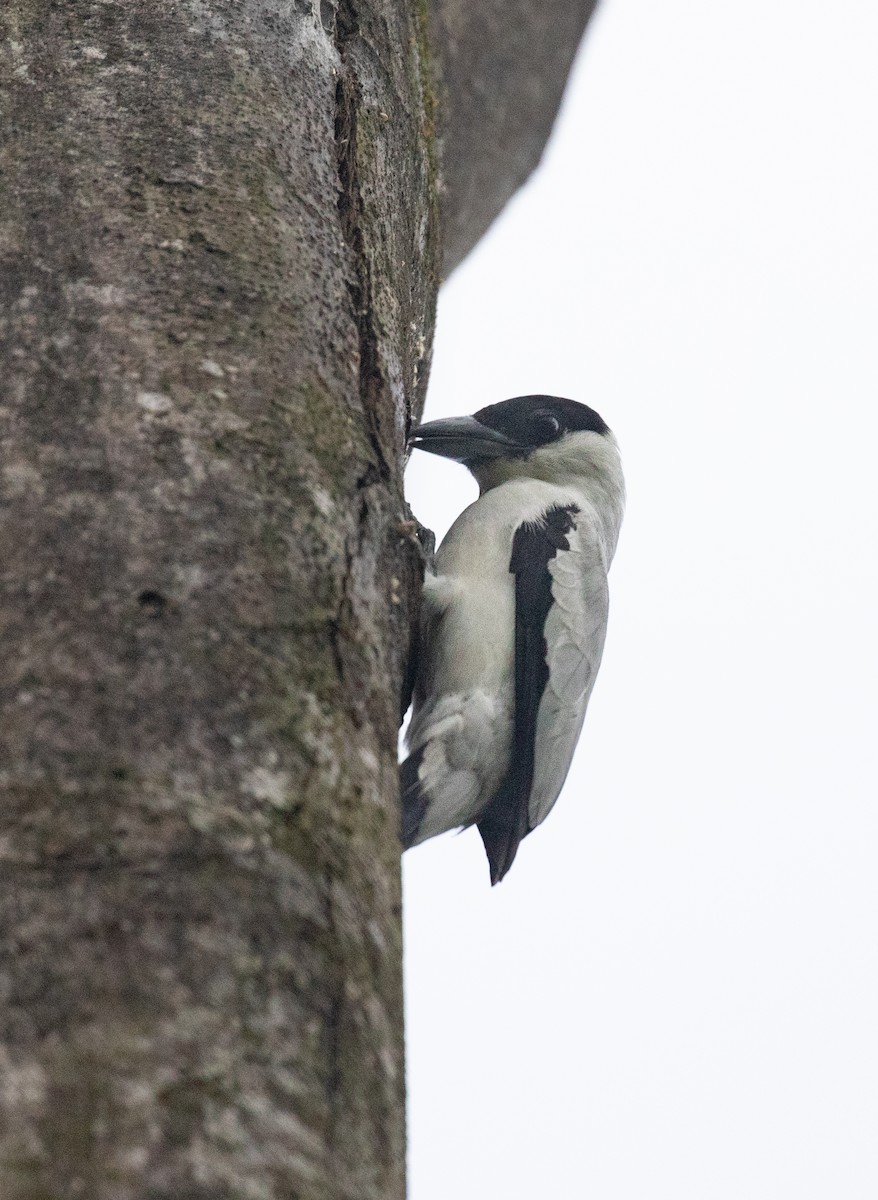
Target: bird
x: 513, y: 620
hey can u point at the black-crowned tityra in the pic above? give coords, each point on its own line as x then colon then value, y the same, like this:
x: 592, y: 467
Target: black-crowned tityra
x: 513, y: 622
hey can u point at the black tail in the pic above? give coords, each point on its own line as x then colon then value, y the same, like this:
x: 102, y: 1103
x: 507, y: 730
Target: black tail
x: 412, y: 798
x: 503, y: 826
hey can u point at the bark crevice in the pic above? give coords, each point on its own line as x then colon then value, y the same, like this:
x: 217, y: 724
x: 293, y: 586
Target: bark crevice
x: 348, y: 97
x: 218, y: 274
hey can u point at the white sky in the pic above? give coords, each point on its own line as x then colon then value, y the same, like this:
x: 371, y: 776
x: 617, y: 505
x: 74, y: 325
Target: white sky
x: 675, y: 992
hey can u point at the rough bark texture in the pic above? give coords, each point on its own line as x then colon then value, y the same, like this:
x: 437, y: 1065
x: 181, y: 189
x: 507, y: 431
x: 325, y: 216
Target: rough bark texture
x: 502, y: 66
x: 215, y: 311
x: 218, y: 264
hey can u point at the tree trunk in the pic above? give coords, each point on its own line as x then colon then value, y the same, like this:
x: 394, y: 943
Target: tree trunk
x: 218, y: 264
x: 502, y: 66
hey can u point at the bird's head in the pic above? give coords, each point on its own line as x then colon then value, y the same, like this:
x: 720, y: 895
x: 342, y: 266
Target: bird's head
x: 535, y: 437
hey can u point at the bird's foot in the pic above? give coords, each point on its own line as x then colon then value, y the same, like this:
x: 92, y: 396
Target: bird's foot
x: 423, y: 539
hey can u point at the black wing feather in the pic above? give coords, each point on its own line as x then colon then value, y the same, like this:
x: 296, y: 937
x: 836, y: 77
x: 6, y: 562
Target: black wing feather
x: 504, y: 822
x: 412, y: 797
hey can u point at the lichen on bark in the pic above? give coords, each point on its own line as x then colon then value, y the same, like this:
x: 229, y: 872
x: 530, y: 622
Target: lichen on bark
x: 218, y: 268
x: 212, y: 337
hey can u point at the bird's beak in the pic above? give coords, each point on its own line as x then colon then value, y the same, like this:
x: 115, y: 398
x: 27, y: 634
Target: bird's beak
x: 461, y: 438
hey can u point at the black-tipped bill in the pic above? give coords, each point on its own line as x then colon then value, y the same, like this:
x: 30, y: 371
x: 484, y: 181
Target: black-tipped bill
x: 462, y: 438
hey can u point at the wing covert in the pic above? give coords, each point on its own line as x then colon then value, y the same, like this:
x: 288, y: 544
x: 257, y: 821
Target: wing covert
x: 536, y: 547
x: 575, y: 632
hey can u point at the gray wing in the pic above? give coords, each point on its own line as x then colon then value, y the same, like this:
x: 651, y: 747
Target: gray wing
x: 576, y: 627
x: 536, y: 548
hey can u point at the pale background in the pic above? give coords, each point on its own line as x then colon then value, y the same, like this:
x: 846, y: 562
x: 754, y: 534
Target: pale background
x: 675, y: 992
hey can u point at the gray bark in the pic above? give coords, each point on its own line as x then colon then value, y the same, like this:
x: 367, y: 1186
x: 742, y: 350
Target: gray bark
x: 501, y: 66
x: 218, y: 265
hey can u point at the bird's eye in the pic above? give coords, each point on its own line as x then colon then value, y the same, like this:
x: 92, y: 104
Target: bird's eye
x: 545, y: 425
